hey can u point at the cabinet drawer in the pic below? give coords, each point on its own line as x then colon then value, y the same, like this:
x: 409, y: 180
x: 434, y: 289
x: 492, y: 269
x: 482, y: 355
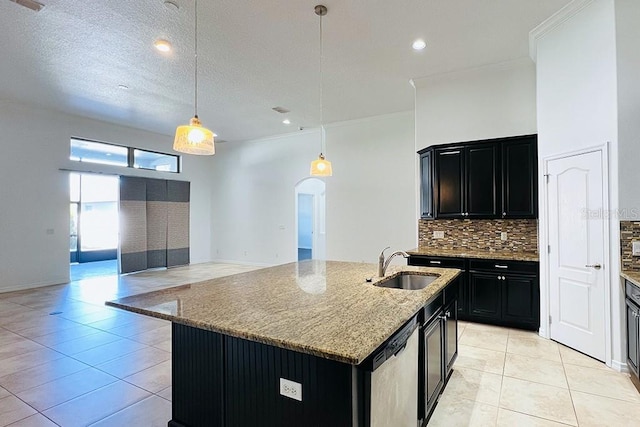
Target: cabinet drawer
x: 522, y: 267
x: 433, y: 308
x: 633, y: 292
x: 443, y: 262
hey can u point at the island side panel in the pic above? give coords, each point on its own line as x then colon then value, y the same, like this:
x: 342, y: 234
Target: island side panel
x: 253, y: 390
x: 197, y: 377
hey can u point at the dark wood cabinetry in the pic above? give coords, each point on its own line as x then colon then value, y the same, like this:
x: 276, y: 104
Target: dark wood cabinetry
x: 633, y: 331
x: 482, y: 179
x: 492, y: 291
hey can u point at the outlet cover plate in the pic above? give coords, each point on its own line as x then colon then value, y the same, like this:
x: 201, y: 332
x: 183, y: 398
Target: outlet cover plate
x: 503, y: 235
x: 291, y: 389
x: 635, y: 248
x: 438, y: 234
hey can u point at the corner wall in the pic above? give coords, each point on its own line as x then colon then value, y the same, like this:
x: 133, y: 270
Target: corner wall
x: 34, y: 195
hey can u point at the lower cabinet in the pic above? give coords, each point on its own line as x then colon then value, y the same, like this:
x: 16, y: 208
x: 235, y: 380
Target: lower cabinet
x: 633, y: 331
x: 438, y: 350
x: 505, y: 293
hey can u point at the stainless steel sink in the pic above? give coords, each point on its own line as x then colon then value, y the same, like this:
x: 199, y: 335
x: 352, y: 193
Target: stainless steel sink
x: 408, y: 281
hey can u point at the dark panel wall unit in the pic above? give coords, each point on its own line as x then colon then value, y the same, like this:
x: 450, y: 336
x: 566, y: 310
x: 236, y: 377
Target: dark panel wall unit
x: 253, y: 399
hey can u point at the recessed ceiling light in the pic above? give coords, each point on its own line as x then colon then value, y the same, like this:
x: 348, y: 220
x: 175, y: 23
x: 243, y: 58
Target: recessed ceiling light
x: 419, y: 44
x: 162, y: 45
x: 286, y: 121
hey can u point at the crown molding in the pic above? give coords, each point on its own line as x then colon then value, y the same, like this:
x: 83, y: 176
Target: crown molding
x: 553, y: 22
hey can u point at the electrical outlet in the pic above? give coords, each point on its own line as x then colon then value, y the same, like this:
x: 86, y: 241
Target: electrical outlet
x: 50, y: 231
x: 291, y: 389
x: 635, y: 248
x: 503, y: 235
x: 438, y: 234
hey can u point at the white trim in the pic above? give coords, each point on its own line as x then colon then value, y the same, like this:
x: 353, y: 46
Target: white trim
x: 235, y: 261
x: 458, y: 74
x: 545, y: 328
x: 25, y: 286
x: 620, y: 366
x: 553, y: 22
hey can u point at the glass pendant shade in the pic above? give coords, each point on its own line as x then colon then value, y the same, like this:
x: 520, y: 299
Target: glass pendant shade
x: 194, y: 139
x: 321, y: 167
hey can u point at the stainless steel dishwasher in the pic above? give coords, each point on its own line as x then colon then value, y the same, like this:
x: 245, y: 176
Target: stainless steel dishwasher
x: 394, y: 380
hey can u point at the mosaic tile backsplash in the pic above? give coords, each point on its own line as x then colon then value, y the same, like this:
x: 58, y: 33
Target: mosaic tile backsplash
x: 629, y: 231
x: 480, y: 234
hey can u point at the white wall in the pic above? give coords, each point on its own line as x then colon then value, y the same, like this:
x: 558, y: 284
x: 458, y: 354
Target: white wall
x: 481, y: 103
x: 370, y: 200
x: 34, y: 194
x: 577, y: 109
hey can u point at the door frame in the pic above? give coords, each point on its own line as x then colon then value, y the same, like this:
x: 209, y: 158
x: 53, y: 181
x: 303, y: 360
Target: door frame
x: 545, y: 290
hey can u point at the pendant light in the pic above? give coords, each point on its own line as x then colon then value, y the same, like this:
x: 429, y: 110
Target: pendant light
x: 321, y: 166
x: 194, y: 138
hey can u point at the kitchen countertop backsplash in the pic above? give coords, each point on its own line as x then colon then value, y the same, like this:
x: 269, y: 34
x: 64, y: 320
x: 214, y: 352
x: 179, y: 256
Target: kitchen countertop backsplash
x: 480, y: 235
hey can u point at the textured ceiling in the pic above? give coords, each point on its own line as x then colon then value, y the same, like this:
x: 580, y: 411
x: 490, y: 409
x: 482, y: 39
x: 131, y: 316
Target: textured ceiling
x: 253, y: 55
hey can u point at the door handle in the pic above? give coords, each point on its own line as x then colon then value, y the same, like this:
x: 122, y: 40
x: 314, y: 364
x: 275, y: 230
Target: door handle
x: 596, y: 266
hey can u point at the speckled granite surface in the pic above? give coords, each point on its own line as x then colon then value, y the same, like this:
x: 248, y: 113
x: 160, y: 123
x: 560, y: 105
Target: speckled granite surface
x: 480, y: 254
x: 632, y: 276
x: 322, y: 308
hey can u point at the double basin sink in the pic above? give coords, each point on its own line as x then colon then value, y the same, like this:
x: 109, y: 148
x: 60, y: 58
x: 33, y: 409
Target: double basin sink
x: 407, y: 281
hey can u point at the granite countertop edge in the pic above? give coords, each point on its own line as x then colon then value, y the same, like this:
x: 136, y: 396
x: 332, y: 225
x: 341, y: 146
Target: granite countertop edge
x: 632, y: 276
x: 478, y: 254
x: 424, y: 296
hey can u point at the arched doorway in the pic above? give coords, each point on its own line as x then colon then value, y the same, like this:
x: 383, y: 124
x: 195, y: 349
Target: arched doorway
x: 310, y: 219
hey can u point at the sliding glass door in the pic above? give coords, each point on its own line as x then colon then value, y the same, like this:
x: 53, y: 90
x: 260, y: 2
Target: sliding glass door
x: 94, y: 224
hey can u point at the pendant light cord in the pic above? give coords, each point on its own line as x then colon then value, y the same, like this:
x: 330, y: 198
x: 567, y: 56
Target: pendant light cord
x: 320, y: 90
x: 196, y: 59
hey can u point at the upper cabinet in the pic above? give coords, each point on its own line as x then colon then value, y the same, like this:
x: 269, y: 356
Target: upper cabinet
x: 483, y: 179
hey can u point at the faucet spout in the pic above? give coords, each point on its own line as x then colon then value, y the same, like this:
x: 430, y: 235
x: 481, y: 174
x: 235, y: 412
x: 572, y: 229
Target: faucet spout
x: 382, y: 264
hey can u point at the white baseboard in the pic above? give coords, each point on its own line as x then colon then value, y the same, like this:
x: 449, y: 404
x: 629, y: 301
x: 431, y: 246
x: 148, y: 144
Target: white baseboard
x: 25, y: 286
x: 619, y: 366
x: 235, y: 261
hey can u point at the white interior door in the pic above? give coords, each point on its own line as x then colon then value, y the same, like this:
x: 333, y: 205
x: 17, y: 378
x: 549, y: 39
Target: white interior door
x: 577, y: 250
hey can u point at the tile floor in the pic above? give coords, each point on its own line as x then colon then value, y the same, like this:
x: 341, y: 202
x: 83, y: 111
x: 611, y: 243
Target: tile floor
x: 68, y: 360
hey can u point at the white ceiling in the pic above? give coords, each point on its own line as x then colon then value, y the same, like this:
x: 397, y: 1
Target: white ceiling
x: 253, y: 55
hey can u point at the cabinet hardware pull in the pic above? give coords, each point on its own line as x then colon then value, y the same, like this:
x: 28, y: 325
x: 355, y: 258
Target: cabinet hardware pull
x: 435, y: 262
x: 448, y: 153
x: 504, y: 214
x: 501, y: 266
x: 447, y: 314
x: 504, y: 278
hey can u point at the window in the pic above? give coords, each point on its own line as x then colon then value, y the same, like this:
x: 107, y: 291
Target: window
x: 117, y: 155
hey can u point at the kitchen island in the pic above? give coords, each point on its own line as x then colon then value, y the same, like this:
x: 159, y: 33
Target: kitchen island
x: 286, y: 345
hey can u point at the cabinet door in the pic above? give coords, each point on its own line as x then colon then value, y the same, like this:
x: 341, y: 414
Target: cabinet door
x: 633, y: 333
x: 434, y: 372
x: 485, y: 295
x: 520, y: 183
x: 482, y: 181
x: 449, y: 183
x: 451, y: 337
x: 426, y: 193
x: 520, y: 299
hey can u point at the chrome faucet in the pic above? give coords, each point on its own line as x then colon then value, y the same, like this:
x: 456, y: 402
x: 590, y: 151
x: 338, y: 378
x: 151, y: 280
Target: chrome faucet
x: 382, y: 264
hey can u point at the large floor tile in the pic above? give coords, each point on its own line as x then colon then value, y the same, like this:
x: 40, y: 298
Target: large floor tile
x: 85, y: 343
x: 597, y: 411
x: 474, y: 385
x: 134, y: 362
x: 608, y: 383
x: 534, y: 347
x: 572, y: 357
x: 154, y: 336
x: 28, y: 360
x: 150, y: 412
x: 480, y: 359
x: 507, y: 418
x: 96, y: 405
x: 41, y: 374
x: 13, y: 409
x: 66, y: 388
x: 18, y: 347
x: 454, y: 411
x: 107, y: 352
x: 538, y: 400
x: 37, y: 420
x: 139, y: 326
x: 4, y: 392
x: 64, y: 335
x: 483, y: 338
x: 535, y: 369
x: 154, y: 379
x: 166, y: 393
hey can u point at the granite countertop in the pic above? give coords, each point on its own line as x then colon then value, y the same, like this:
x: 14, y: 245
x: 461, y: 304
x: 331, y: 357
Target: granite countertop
x: 475, y: 253
x: 632, y: 276
x: 324, y: 308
